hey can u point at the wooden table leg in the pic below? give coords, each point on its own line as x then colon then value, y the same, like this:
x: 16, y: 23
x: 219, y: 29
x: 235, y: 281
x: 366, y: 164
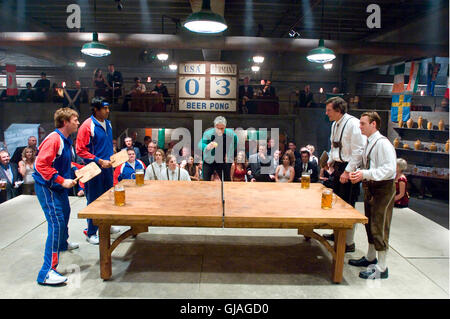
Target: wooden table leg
x: 339, y: 247
x: 104, y: 232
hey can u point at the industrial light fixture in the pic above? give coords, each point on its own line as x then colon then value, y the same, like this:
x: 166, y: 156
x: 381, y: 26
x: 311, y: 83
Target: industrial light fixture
x: 258, y: 59
x: 95, y: 48
x: 328, y: 66
x: 321, y: 54
x: 255, y: 68
x: 173, y: 66
x: 81, y: 63
x: 205, y: 21
x: 162, y: 56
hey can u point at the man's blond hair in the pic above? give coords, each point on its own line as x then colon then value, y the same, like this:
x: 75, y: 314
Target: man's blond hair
x: 64, y: 114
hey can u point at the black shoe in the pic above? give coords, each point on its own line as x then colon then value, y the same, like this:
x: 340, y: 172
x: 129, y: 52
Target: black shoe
x: 374, y: 273
x: 329, y: 237
x: 362, y: 262
x: 349, y: 248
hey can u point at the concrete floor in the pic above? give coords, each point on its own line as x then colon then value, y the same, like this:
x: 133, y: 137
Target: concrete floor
x: 218, y: 263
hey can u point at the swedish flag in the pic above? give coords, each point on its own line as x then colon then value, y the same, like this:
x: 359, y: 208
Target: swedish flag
x: 400, y: 108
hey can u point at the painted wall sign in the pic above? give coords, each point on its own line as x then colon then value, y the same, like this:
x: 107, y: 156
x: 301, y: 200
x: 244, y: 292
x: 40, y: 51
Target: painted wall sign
x: 207, y: 105
x: 223, y: 69
x: 192, y: 68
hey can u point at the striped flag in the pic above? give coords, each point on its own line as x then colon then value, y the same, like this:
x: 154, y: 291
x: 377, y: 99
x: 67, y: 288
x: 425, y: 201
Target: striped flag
x: 414, y: 76
x: 400, y: 108
x: 399, y: 79
x: 157, y: 135
x: 11, y: 85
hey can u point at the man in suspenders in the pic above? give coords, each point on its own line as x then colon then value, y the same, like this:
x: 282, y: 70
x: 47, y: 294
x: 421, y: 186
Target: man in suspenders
x: 379, y: 164
x: 347, y: 146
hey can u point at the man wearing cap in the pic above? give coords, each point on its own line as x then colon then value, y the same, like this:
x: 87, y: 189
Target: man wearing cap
x: 94, y: 144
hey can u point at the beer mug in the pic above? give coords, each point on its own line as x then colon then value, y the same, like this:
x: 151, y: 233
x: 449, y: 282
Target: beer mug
x: 139, y: 175
x: 2, y: 184
x: 328, y: 198
x: 119, y: 195
x: 305, y: 179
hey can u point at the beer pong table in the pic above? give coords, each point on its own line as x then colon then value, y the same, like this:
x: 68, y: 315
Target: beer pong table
x: 216, y: 204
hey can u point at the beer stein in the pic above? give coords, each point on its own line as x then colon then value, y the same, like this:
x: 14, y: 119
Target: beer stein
x: 119, y: 195
x: 2, y: 184
x: 328, y: 198
x: 305, y: 179
x: 139, y: 175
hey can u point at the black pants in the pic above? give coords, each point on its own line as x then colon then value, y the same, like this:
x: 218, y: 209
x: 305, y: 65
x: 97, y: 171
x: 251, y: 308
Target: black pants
x: 208, y: 171
x: 348, y: 192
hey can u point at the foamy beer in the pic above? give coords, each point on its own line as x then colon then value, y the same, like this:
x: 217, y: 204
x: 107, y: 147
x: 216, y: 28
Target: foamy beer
x: 139, y: 177
x: 119, y: 195
x: 327, y: 198
x: 305, y: 179
x: 2, y: 184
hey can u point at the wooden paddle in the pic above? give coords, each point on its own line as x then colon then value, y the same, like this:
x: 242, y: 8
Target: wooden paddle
x: 87, y: 173
x: 119, y: 158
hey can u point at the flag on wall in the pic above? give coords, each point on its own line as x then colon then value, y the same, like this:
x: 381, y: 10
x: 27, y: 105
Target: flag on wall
x: 399, y: 79
x: 400, y: 108
x: 432, y: 72
x: 157, y: 135
x: 11, y: 83
x: 414, y: 76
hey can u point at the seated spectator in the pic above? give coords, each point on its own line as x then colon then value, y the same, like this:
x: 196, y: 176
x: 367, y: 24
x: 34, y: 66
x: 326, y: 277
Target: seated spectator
x: 129, y: 146
x: 57, y: 94
x: 305, y: 165
x: 4, y: 97
x: 293, y: 147
x: 115, y: 80
x: 74, y: 97
x: 238, y: 169
x: 137, y: 88
x: 149, y: 157
x: 306, y: 97
x: 311, y: 150
x: 285, y: 172
x: 10, y: 174
x: 42, y: 87
x: 144, y: 150
x: 258, y: 169
x: 100, y: 84
x: 192, y: 169
x: 17, y: 156
x: 185, y: 153
x: 156, y: 169
x: 245, y: 94
x: 115, y: 146
x: 401, y: 199
x: 136, y: 143
x: 200, y: 170
x: 173, y: 171
x: 128, y: 169
x: 162, y: 89
x: 27, y: 95
x: 444, y: 106
x: 268, y: 89
x: 26, y: 169
x: 326, y: 178
x: 274, y: 163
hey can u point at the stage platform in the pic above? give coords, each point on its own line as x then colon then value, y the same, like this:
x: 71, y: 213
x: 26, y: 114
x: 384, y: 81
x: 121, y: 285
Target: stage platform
x: 199, y: 262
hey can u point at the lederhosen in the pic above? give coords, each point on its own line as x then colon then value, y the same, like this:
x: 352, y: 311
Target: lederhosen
x: 348, y: 192
x: 154, y: 174
x: 167, y: 172
x: 378, y: 205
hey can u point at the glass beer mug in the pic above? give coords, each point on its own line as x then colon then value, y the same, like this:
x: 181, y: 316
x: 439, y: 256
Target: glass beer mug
x: 2, y: 184
x: 119, y: 195
x: 139, y: 175
x: 328, y: 198
x: 305, y: 179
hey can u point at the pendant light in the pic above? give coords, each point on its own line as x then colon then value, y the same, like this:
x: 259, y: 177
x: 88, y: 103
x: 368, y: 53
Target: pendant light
x: 321, y: 54
x: 95, y: 48
x: 205, y: 21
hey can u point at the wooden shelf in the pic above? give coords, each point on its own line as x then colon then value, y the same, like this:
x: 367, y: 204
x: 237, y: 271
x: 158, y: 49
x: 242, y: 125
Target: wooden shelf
x: 425, y: 158
x: 424, y: 135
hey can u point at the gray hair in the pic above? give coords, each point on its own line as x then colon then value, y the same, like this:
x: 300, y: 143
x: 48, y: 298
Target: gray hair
x: 220, y: 120
x: 401, y: 164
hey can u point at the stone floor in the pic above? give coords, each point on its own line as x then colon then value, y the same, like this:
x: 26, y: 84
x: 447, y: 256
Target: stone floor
x: 218, y: 263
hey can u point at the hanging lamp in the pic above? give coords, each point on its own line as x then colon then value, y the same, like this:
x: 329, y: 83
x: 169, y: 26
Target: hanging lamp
x: 95, y: 48
x: 205, y: 21
x: 321, y: 54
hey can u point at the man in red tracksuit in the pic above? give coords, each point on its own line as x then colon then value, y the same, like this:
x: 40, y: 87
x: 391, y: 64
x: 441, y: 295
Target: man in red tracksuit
x: 94, y: 144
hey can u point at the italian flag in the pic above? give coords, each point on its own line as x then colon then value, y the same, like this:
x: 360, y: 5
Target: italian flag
x: 399, y: 79
x: 414, y: 75
x: 158, y: 135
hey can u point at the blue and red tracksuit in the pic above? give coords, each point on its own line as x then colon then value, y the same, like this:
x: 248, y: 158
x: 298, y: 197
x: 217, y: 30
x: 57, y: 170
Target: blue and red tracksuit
x: 126, y: 171
x: 51, y: 168
x: 94, y: 143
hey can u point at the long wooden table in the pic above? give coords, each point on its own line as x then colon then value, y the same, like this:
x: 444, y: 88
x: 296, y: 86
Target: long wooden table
x: 237, y: 205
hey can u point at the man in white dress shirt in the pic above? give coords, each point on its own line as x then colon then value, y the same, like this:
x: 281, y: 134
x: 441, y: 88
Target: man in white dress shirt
x: 174, y: 172
x: 347, y: 146
x: 156, y: 169
x: 378, y: 171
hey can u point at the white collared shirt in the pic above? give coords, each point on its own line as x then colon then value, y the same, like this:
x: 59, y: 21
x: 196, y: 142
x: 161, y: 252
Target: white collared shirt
x: 159, y: 170
x: 173, y: 175
x: 383, y: 159
x: 353, y: 142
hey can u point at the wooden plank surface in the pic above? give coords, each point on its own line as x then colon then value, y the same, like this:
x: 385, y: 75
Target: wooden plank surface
x: 284, y: 205
x: 163, y: 203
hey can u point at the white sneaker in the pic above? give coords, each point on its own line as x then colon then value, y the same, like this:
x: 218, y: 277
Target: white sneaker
x: 92, y: 240
x: 53, y: 278
x: 72, y: 246
x: 115, y: 229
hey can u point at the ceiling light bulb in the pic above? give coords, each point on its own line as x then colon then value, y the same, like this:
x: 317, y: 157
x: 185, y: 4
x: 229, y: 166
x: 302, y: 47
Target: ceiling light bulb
x: 258, y: 59
x: 81, y: 63
x: 255, y: 68
x: 173, y: 66
x: 328, y: 66
x: 162, y: 56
